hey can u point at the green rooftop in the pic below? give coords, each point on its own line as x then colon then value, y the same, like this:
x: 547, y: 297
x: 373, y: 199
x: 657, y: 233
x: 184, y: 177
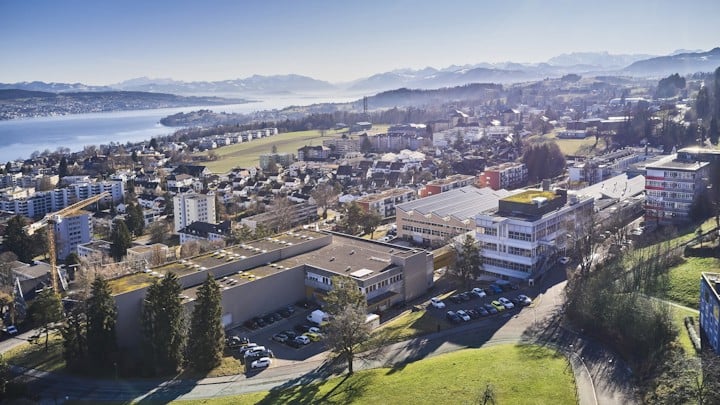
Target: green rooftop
x: 130, y: 282
x: 527, y: 196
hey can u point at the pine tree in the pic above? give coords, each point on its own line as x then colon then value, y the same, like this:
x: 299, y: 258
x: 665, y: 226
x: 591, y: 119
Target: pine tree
x: 74, y: 341
x: 63, y: 167
x: 121, y: 240
x: 164, y: 325
x: 713, y: 132
x: 206, y: 344
x: 17, y: 240
x: 101, y: 321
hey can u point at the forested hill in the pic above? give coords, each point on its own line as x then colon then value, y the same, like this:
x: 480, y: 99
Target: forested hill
x: 16, y: 103
x: 415, y: 97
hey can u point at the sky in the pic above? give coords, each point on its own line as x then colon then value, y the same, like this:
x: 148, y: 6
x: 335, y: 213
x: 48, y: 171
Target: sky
x: 104, y: 42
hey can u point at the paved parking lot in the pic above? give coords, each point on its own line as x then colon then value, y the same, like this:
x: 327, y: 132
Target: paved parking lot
x: 283, y: 353
x: 474, y: 302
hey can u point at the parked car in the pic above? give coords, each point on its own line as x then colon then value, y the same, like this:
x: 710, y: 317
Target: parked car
x: 269, y: 319
x: 302, y: 339
x: 453, y: 317
x: 236, y: 341
x: 284, y: 313
x: 524, y: 299
x: 261, y: 363
x: 290, y: 334
x: 290, y: 309
x: 314, y: 329
x: 463, y: 315
x: 498, y: 305
x: 464, y: 296
x: 259, y: 321
x: 495, y: 289
x: 302, y: 328
x: 564, y: 260
x: 244, y: 349
x: 455, y: 299
x: 11, y: 330
x: 293, y: 343
x: 482, y: 311
x: 490, y: 308
x: 280, y: 337
x: 251, y: 324
x: 478, y: 292
x: 437, y: 303
x: 313, y: 336
x: 473, y: 313
x: 506, y: 303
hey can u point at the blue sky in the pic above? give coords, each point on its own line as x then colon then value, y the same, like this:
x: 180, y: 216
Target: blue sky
x: 103, y: 42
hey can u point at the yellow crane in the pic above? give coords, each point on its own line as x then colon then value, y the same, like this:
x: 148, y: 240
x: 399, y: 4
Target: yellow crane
x: 49, y: 221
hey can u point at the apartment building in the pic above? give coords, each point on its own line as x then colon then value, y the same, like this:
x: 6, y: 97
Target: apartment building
x: 71, y: 231
x: 504, y: 176
x: 384, y: 203
x: 36, y: 204
x: 438, y: 186
x: 203, y: 231
x: 192, y: 207
x: 710, y: 309
x: 597, y: 169
x: 294, y: 214
x: 528, y: 230
x: 671, y: 186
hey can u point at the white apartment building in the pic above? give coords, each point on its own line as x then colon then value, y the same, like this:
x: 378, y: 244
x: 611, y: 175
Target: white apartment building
x: 671, y: 186
x: 71, y: 231
x: 528, y: 230
x: 192, y: 207
x: 384, y: 203
x: 35, y: 204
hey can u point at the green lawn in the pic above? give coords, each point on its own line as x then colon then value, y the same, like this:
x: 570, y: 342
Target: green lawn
x: 573, y: 146
x: 409, y: 325
x: 683, y: 338
x: 684, y: 283
x: 518, y: 374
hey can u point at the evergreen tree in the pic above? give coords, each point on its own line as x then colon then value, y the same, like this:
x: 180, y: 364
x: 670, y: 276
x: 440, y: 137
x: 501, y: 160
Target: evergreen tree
x: 46, y: 310
x: 164, y: 325
x: 205, y: 343
x: 74, y: 341
x: 713, y: 131
x: 467, y: 265
x: 101, y: 320
x: 63, y: 167
x: 702, y: 103
x: 121, y: 240
x: 135, y: 219
x: 17, y: 240
x: 153, y: 143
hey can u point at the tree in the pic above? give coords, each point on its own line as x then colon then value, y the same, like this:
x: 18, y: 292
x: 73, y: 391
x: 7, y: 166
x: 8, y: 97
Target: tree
x: 346, y: 330
x: 74, y: 341
x: 63, y: 167
x: 17, y: 240
x: 324, y: 194
x: 369, y: 222
x: 543, y: 160
x: 121, y: 240
x: 46, y: 310
x: 158, y: 231
x: 5, y: 375
x: 163, y: 325
x: 467, y: 263
x: 135, y: 219
x: 352, y: 218
x: 153, y: 143
x: 101, y: 321
x: 205, y: 343
x: 713, y: 132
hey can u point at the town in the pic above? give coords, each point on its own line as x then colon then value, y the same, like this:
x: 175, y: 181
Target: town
x: 586, y: 200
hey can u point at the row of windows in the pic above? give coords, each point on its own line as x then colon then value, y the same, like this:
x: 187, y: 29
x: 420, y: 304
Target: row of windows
x: 670, y: 194
x: 383, y: 283
x: 519, y: 236
x: 507, y: 265
x: 519, y: 251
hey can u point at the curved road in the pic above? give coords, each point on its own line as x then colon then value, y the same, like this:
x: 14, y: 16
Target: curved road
x: 600, y: 378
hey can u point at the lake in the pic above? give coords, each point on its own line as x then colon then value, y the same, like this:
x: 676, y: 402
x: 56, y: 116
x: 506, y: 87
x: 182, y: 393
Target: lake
x: 20, y: 138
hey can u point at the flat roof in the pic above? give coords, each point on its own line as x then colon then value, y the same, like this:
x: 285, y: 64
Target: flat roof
x: 462, y: 203
x: 713, y: 279
x: 385, y: 194
x: 450, y: 179
x: 526, y: 196
x: 670, y: 162
x: 618, y: 187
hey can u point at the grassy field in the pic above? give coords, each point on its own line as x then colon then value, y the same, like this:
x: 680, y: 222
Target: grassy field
x: 683, y: 338
x: 518, y: 375
x: 246, y: 154
x: 410, y: 324
x: 34, y: 355
x: 573, y: 146
x: 684, y: 285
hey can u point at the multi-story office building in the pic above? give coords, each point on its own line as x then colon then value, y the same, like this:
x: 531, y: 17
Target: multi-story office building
x: 527, y: 231
x: 71, y: 231
x: 505, y: 176
x: 384, y: 203
x: 671, y: 186
x: 192, y: 207
x: 710, y: 309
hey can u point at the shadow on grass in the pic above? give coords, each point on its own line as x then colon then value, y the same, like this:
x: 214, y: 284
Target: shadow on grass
x: 308, y: 390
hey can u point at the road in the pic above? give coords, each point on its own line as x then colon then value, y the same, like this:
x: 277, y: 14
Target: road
x: 600, y: 378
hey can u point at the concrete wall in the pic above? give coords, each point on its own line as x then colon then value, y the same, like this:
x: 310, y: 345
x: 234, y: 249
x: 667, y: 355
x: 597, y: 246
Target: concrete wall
x: 417, y: 273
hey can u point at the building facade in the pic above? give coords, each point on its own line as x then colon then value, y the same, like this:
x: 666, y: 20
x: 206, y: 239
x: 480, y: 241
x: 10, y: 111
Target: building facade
x: 72, y: 231
x: 192, y: 207
x: 505, y: 176
x: 438, y: 186
x: 528, y: 230
x: 710, y: 309
x: 384, y: 203
x: 671, y: 186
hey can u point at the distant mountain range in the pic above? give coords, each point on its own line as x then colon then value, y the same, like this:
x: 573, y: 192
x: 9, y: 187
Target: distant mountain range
x: 583, y: 63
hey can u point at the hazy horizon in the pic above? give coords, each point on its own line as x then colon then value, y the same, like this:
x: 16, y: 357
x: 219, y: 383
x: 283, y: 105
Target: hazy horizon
x: 106, y: 43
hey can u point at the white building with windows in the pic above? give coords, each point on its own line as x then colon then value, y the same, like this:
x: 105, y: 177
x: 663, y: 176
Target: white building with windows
x: 671, y: 186
x: 192, y: 207
x: 71, y: 231
x: 528, y: 230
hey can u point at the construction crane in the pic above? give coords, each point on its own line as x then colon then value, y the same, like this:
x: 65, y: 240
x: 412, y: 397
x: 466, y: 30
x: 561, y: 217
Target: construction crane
x: 49, y: 221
